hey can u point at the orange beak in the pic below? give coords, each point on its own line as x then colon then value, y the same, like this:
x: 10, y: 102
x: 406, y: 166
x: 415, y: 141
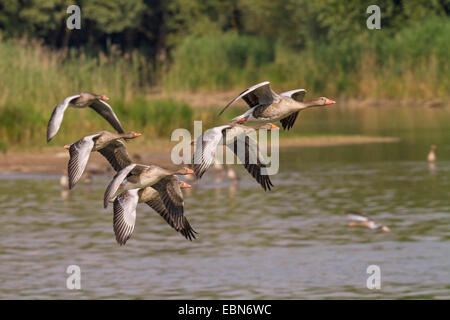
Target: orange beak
x: 190, y: 171
x: 105, y: 98
x: 274, y: 127
x: 67, y: 146
x: 352, y: 224
x: 329, y: 101
x: 185, y: 185
x: 137, y: 134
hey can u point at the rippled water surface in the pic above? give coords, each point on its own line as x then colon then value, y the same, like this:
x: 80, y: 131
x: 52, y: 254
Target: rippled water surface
x: 293, y: 242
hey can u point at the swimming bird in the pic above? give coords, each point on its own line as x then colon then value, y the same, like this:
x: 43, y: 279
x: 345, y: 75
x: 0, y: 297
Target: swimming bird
x: 125, y: 210
x: 64, y: 180
x: 84, y: 99
x: 231, y: 174
x: 138, y: 176
x: 105, y: 142
x: 361, y: 220
x: 207, y: 143
x: 431, y: 155
x: 268, y: 106
x: 223, y: 170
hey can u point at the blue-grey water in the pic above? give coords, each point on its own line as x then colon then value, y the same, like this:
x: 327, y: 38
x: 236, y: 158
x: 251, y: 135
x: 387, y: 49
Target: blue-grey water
x: 291, y: 243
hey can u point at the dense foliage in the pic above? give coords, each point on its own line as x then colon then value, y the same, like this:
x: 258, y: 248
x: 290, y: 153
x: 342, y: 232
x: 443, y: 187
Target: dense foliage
x: 127, y: 47
x: 156, y: 26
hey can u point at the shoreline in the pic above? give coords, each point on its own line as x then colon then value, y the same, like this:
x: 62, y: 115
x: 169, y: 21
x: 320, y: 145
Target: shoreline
x: 51, y: 160
x: 202, y: 98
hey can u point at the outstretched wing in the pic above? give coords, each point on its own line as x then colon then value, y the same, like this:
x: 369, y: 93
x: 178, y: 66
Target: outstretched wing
x: 113, y: 186
x: 252, y: 160
x: 298, y: 95
x: 258, y: 94
x: 57, y: 116
x: 79, y: 156
x: 289, y: 121
x: 170, y: 193
x: 125, y: 215
x: 116, y: 154
x: 182, y: 227
x: 107, y: 112
x: 357, y: 217
x: 205, y: 149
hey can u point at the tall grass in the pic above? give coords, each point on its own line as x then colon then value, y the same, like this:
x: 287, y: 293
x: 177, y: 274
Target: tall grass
x: 412, y: 64
x: 33, y: 79
x: 33, y: 73
x: 214, y: 62
x: 26, y: 125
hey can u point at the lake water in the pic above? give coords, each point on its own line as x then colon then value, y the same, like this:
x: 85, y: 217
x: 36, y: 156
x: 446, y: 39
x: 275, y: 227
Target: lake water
x: 291, y: 243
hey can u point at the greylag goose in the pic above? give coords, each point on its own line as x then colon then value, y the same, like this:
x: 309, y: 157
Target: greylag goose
x: 125, y: 211
x: 84, y: 99
x: 431, y: 154
x: 361, y: 220
x: 105, y: 142
x: 206, y: 145
x: 138, y: 176
x: 268, y: 106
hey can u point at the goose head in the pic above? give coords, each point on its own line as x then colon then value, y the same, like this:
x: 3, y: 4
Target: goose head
x: 324, y: 101
x: 131, y: 135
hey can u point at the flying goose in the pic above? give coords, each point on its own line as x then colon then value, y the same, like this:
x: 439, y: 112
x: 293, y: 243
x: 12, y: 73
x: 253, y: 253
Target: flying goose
x: 268, y: 106
x: 84, y: 99
x: 138, y: 176
x: 361, y: 220
x: 125, y: 211
x: 206, y: 145
x: 105, y: 142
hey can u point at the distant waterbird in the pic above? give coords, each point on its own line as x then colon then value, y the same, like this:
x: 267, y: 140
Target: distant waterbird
x: 361, y: 220
x: 64, y: 180
x: 431, y: 154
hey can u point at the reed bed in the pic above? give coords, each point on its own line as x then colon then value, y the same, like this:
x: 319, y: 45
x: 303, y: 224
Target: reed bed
x: 413, y: 64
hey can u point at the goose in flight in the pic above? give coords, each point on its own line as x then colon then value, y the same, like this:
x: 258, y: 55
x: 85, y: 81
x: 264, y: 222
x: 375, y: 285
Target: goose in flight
x: 207, y: 143
x: 268, y: 106
x: 361, y: 220
x: 125, y: 210
x: 84, y: 99
x: 139, y: 176
x: 105, y: 142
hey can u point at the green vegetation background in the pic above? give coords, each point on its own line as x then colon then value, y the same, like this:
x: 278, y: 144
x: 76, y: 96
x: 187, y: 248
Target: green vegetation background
x: 127, y: 48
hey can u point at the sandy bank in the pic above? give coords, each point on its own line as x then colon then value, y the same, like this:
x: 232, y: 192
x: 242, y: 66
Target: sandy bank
x: 54, y: 160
